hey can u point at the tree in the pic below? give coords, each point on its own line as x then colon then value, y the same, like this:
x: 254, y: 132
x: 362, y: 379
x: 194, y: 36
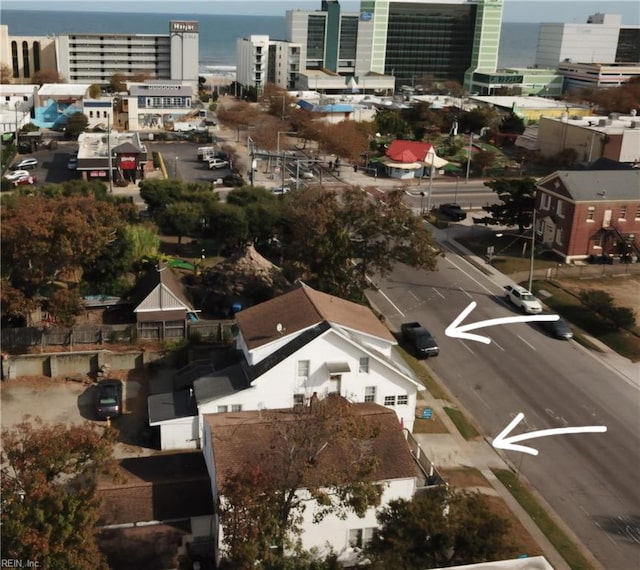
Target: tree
x: 64, y: 306
x: 392, y: 124
x: 95, y: 91
x: 118, y: 82
x: 227, y: 224
x: 517, y: 201
x: 182, y: 219
x: 335, y: 241
x: 76, y: 124
x: 6, y: 74
x: 347, y: 139
x: 482, y: 160
x: 438, y: 528
x: 160, y: 194
x: 47, y: 76
x: 43, y: 238
x: 511, y: 123
x: 264, y: 500
x: 49, y: 505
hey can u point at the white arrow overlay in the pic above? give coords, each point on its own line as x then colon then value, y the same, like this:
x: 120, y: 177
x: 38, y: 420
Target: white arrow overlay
x: 456, y: 331
x: 503, y: 442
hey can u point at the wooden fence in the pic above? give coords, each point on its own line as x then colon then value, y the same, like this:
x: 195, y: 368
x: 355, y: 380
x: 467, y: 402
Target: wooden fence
x: 43, y: 337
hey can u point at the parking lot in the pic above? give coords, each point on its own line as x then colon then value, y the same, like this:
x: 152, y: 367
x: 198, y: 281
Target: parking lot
x: 73, y: 403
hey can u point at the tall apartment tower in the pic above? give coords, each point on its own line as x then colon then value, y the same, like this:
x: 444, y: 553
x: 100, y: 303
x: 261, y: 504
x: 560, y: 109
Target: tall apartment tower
x: 443, y: 39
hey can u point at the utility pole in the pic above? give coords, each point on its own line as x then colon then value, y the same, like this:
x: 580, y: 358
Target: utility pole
x: 533, y: 244
x: 469, y: 157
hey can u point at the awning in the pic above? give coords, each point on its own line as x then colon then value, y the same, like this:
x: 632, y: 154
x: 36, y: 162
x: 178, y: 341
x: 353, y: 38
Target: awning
x: 402, y: 165
x: 437, y: 161
x: 337, y: 367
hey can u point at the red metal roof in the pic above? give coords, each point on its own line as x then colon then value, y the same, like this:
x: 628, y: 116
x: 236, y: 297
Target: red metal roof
x: 408, y: 151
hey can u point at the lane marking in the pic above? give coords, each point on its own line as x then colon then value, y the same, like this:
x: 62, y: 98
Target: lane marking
x: 463, y: 291
x: 479, y: 398
x: 494, y: 342
x: 391, y: 302
x: 469, y: 276
x: 438, y: 292
x: 416, y: 298
x: 471, y: 351
x: 527, y: 343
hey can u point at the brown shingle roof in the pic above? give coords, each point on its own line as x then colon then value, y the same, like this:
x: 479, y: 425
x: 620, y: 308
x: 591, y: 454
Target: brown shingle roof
x: 160, y: 487
x: 242, y: 439
x: 302, y: 308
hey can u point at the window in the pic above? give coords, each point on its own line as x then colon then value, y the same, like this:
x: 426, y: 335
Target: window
x: 370, y: 394
x: 364, y: 365
x: 303, y: 369
x: 360, y: 537
x: 597, y: 242
x: 545, y: 203
x: 559, y: 234
x: 403, y: 400
x: 623, y: 213
x: 298, y: 399
x: 389, y: 400
x: 236, y: 407
x: 222, y: 409
x: 559, y: 206
x: 638, y: 213
x: 91, y: 114
x: 591, y: 213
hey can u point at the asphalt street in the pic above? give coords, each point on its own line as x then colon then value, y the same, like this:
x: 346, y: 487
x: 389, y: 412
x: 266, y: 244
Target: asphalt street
x: 590, y: 479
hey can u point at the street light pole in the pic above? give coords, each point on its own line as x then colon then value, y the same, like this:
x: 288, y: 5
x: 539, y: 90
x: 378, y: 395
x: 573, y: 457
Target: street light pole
x: 421, y: 203
x: 469, y: 157
x: 533, y: 245
x: 17, y: 139
x: 429, y: 190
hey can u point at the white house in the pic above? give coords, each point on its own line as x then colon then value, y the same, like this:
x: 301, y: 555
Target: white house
x: 237, y: 442
x: 301, y: 343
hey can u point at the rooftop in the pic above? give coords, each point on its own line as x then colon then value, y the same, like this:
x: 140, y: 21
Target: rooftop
x: 303, y: 308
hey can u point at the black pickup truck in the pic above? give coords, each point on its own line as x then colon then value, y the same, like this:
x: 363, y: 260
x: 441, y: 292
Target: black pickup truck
x: 420, y: 339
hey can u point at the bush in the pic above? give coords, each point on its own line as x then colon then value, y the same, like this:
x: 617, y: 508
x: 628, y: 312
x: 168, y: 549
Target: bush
x: 602, y: 303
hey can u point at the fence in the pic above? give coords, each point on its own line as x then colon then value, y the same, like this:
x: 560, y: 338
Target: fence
x: 433, y: 477
x: 43, y: 337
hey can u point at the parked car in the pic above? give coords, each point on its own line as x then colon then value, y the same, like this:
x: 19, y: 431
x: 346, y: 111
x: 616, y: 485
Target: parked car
x: 17, y: 174
x: 109, y: 399
x: 280, y: 190
x: 523, y: 299
x: 420, y: 339
x: 25, y: 181
x: 218, y: 163
x: 72, y: 164
x: 26, y: 163
x: 558, y: 329
x: 453, y: 212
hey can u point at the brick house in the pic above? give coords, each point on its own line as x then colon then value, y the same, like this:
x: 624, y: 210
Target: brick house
x: 590, y: 213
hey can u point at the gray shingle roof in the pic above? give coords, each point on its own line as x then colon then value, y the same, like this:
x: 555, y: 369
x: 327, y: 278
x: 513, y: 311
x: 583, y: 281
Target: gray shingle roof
x: 589, y: 185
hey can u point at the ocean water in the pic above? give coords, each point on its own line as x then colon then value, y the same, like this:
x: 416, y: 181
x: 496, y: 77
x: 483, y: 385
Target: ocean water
x: 218, y: 34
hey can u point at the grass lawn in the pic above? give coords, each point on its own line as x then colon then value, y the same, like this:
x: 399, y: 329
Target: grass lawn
x: 434, y: 425
x: 464, y: 477
x: 511, y: 251
x: 565, y: 546
x: 570, y: 307
x: 462, y: 424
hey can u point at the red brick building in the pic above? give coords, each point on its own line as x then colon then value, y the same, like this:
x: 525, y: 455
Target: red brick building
x: 590, y: 213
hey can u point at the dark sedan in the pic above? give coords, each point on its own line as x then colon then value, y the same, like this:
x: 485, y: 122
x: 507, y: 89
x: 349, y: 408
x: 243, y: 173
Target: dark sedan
x: 452, y: 212
x: 558, y: 329
x: 109, y: 399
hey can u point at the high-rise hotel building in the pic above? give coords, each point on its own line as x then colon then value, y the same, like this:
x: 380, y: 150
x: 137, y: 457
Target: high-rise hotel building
x: 408, y: 39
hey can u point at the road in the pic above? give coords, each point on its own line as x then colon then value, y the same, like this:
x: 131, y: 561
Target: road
x: 590, y: 480
x: 471, y: 196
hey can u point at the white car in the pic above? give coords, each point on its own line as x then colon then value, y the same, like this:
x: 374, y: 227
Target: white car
x: 218, y: 163
x: 26, y: 163
x: 280, y: 190
x: 523, y: 299
x: 17, y: 175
